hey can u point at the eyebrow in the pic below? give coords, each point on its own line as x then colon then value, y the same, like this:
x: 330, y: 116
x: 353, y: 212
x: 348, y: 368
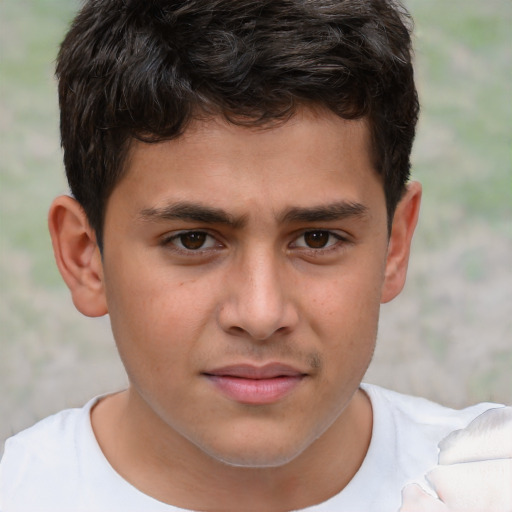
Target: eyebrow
x: 324, y: 213
x: 194, y: 212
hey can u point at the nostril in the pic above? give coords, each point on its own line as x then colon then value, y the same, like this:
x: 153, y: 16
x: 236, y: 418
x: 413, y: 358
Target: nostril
x: 237, y: 331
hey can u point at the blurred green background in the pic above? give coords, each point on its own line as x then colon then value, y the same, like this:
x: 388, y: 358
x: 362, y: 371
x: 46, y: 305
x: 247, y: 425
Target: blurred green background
x: 447, y: 337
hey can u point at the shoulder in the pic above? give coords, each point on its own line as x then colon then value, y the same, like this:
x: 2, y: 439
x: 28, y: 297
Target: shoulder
x: 412, y: 411
x: 407, y: 431
x: 50, y: 449
x: 404, y: 446
x: 57, y: 465
x: 54, y: 434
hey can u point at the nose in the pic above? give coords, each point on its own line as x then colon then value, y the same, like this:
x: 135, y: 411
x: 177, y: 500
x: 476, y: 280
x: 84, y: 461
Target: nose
x: 258, y: 301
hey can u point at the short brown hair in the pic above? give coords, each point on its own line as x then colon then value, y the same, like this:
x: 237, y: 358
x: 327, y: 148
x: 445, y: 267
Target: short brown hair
x: 143, y: 69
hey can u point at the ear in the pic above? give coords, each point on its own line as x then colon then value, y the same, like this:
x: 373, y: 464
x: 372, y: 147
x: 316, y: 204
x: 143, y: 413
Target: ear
x: 402, y: 230
x: 77, y: 255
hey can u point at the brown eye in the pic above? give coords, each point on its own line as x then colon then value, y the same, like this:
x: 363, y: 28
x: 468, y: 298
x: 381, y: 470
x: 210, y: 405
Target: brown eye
x: 193, y: 240
x: 317, y: 239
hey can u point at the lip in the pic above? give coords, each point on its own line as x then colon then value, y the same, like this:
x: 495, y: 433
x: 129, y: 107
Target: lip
x: 256, y: 385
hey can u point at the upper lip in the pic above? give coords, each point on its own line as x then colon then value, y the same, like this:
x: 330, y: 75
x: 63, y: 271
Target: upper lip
x: 249, y: 371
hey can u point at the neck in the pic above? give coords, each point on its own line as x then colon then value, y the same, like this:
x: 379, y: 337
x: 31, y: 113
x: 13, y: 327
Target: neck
x: 166, y: 466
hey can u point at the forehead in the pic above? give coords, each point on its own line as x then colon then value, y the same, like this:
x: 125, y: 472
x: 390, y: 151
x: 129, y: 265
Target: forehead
x: 312, y: 158
x: 315, y: 132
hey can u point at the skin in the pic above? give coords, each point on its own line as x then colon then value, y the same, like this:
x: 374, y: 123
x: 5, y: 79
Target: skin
x: 288, y: 263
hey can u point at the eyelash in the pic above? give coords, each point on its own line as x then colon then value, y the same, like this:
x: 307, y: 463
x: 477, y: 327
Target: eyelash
x: 170, y: 242
x: 335, y: 245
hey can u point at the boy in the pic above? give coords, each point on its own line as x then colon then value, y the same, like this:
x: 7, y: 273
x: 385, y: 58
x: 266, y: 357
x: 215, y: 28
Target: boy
x: 240, y: 208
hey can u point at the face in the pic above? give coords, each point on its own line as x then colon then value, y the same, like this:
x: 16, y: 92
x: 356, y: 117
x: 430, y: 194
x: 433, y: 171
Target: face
x: 243, y: 273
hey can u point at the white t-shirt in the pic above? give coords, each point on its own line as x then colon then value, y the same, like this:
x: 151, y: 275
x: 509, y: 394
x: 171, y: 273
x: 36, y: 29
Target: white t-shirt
x: 58, y: 466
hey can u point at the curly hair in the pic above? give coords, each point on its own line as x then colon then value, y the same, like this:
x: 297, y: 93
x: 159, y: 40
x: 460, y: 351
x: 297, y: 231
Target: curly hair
x: 145, y: 68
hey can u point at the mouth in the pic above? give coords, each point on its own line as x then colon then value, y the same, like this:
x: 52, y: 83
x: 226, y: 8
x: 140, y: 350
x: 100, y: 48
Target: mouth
x: 248, y: 384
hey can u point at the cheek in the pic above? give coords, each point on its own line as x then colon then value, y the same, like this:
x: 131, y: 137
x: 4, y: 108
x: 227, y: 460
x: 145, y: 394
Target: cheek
x: 155, y: 320
x: 155, y: 342
x: 150, y: 295
x: 348, y: 303
x: 344, y: 315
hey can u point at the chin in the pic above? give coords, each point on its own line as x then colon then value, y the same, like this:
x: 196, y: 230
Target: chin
x: 256, y: 460
x: 263, y: 454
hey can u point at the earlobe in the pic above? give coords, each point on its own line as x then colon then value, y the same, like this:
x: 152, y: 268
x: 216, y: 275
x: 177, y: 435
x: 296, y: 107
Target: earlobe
x: 77, y: 255
x: 404, y: 223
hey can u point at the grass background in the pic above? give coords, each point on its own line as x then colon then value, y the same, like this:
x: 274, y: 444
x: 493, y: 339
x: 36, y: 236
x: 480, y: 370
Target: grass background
x: 447, y: 337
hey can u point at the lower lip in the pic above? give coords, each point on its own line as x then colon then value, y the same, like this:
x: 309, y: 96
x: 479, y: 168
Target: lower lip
x: 256, y: 391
